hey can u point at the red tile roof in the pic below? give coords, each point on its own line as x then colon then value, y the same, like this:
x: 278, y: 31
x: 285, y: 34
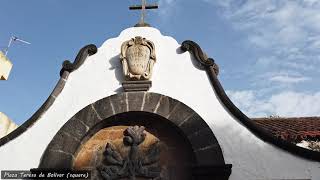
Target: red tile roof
x: 292, y: 129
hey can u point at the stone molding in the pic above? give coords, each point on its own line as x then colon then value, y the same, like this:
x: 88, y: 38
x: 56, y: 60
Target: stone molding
x: 212, y: 71
x: 67, y: 68
x: 84, y: 52
x: 199, y: 55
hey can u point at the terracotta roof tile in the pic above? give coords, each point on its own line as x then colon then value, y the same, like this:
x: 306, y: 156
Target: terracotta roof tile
x: 292, y: 129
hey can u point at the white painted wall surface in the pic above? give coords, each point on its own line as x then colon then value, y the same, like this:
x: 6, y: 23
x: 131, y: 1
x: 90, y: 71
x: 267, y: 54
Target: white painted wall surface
x: 174, y: 75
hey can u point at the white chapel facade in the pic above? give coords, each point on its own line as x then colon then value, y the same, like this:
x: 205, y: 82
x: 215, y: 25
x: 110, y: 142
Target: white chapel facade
x: 145, y: 106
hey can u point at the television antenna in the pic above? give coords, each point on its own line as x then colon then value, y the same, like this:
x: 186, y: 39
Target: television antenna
x: 12, y: 40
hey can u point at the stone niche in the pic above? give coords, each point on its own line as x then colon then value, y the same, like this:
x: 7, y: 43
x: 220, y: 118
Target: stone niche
x: 93, y: 153
x: 137, y: 136
x: 163, y: 154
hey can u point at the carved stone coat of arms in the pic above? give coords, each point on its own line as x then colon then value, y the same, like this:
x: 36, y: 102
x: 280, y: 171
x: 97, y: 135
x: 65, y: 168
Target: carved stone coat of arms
x: 137, y: 58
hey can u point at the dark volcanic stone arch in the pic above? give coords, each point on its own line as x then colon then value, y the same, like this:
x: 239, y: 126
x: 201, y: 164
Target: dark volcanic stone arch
x: 207, y: 153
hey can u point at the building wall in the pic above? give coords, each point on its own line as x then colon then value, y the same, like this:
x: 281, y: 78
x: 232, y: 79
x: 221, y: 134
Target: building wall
x: 5, y: 67
x: 176, y: 76
x: 6, y: 125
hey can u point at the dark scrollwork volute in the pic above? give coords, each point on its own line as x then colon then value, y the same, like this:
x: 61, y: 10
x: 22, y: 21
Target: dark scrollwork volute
x: 86, y: 51
x: 199, y: 55
x: 136, y: 163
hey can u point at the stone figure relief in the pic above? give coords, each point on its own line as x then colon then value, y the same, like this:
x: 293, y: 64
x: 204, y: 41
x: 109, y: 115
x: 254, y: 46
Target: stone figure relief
x: 137, y: 58
x: 136, y: 163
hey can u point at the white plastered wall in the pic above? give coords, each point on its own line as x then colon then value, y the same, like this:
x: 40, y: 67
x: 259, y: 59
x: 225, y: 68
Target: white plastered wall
x: 174, y: 75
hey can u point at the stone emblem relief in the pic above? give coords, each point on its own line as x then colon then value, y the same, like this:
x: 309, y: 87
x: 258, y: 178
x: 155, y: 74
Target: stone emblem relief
x: 137, y: 58
x: 136, y: 164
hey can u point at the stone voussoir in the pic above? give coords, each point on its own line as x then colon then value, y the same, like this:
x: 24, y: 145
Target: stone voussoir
x: 135, y: 100
x: 192, y: 124
x: 119, y: 103
x: 57, y: 160
x: 180, y: 114
x: 76, y: 128
x: 165, y: 106
x: 64, y: 142
x: 202, y: 139
x: 88, y: 116
x: 208, y: 156
x: 103, y: 108
x: 150, y: 102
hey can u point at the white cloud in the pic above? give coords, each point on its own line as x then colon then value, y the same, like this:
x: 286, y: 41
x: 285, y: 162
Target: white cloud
x: 248, y: 102
x: 285, y: 32
x: 278, y: 79
x: 277, y: 23
x: 281, y: 21
x: 166, y: 7
x: 288, y: 79
x: 272, y: 62
x: 286, y: 35
x: 284, y: 104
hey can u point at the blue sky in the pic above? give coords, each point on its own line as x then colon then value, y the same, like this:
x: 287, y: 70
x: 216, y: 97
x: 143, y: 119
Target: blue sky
x: 268, y: 50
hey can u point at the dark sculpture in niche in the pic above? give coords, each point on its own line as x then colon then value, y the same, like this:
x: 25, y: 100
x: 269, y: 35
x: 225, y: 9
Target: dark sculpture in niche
x: 135, y: 164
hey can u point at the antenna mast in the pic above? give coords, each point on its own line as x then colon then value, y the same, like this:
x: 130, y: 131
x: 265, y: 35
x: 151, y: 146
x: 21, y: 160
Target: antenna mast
x: 5, y: 64
x: 13, y: 39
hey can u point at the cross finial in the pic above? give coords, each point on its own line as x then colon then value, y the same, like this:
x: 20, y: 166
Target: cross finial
x: 143, y: 8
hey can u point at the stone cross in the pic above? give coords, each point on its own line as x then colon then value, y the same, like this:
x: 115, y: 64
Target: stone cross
x: 143, y: 8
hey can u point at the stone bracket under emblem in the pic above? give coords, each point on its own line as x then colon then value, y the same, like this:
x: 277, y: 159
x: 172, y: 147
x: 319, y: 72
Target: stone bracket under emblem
x: 129, y: 86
